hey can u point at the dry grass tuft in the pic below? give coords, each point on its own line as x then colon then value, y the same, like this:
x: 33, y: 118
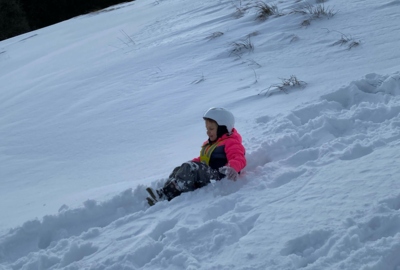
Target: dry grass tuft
x: 240, y: 47
x: 264, y: 11
x: 285, y: 86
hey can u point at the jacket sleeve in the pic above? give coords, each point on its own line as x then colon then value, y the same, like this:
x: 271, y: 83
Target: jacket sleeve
x: 197, y: 159
x: 235, y: 153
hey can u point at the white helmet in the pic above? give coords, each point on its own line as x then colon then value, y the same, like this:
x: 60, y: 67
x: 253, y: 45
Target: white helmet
x: 222, y: 116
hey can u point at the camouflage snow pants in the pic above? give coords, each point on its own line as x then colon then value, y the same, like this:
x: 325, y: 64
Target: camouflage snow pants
x: 187, y: 177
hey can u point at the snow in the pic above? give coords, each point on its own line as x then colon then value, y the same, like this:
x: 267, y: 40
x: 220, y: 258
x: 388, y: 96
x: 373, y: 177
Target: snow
x: 95, y: 109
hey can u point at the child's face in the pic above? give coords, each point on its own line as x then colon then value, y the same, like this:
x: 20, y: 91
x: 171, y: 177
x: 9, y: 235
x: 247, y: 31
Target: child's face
x: 211, y: 130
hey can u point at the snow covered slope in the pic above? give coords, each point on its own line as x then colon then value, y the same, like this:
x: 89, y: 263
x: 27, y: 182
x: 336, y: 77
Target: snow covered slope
x: 94, y: 109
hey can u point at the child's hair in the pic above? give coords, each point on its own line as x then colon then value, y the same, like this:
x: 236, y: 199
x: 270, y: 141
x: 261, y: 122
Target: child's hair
x: 221, y: 131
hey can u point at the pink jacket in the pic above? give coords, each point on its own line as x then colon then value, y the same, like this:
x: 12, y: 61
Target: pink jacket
x: 233, y: 148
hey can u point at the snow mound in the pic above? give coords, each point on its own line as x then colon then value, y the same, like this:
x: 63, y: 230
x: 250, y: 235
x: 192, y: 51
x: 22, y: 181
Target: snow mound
x: 343, y: 125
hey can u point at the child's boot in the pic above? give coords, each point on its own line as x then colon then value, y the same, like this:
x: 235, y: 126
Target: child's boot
x: 170, y: 190
x: 153, y: 198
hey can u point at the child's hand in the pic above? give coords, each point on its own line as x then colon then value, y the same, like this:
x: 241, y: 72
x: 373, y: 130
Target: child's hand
x: 229, y: 172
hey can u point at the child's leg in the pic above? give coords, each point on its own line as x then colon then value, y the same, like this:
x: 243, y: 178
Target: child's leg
x: 188, y: 177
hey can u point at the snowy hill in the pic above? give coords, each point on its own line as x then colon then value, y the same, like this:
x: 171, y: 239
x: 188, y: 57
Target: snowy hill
x: 94, y: 109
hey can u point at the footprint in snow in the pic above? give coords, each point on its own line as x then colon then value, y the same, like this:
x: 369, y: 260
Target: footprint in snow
x: 307, y: 249
x: 392, y: 203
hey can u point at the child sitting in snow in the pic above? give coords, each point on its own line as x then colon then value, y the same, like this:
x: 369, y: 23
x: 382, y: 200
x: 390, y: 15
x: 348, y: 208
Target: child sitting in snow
x: 222, y: 155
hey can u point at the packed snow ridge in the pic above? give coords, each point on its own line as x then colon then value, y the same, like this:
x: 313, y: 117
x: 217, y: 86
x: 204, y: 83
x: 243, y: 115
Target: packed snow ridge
x: 353, y: 123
